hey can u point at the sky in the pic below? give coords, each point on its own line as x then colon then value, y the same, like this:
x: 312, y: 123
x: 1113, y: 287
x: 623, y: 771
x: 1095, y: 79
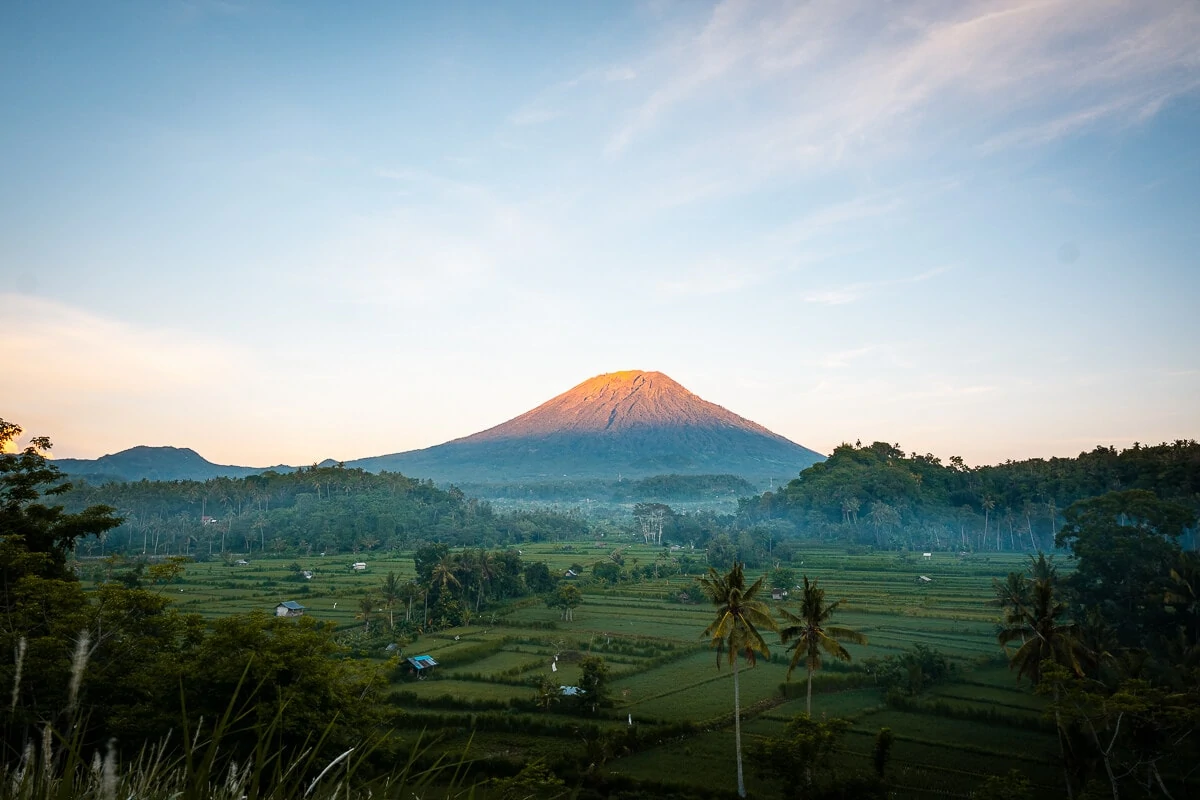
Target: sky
x: 278, y: 232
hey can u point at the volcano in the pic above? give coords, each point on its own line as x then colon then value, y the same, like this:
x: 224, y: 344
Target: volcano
x: 622, y: 424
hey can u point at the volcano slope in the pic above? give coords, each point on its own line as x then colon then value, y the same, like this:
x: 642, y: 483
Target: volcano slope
x: 621, y: 424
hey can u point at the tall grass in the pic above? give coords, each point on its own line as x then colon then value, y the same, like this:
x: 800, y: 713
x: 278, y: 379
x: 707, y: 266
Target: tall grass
x: 52, y: 762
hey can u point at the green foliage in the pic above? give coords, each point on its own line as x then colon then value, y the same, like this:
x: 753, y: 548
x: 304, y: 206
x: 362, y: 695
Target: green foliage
x: 783, y: 578
x: 326, y: 509
x: 35, y: 538
x: 1125, y: 544
x: 813, y: 634
x: 593, y: 682
x: 802, y: 760
x: 1036, y: 616
x: 606, y: 571
x: 566, y: 598
x: 721, y: 552
x: 538, y: 578
x: 125, y: 654
x: 535, y: 781
x: 740, y: 615
x: 1013, y: 786
x: 877, y: 494
x: 912, y: 672
x: 1134, y: 730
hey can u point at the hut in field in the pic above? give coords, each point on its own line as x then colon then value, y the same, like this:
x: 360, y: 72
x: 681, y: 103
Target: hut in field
x: 289, y: 608
x: 421, y: 665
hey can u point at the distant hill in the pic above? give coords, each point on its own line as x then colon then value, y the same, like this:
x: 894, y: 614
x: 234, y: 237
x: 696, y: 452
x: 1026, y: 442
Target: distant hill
x: 155, y: 464
x: 629, y: 424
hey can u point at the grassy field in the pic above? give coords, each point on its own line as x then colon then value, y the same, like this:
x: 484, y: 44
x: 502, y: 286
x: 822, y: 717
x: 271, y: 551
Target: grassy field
x: 663, y: 676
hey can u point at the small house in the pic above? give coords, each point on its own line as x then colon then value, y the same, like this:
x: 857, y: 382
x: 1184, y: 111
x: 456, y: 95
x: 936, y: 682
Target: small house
x: 358, y: 566
x: 927, y: 555
x: 924, y: 579
x: 779, y: 594
x: 241, y: 562
x: 570, y: 574
x: 421, y: 664
x: 571, y: 691
x: 306, y: 574
x: 289, y: 608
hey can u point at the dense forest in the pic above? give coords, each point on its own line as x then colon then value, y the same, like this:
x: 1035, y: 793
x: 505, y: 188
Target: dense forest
x: 878, y: 495
x: 864, y: 495
x: 323, y: 509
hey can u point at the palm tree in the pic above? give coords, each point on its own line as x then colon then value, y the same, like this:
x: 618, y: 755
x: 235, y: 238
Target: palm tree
x: 366, y: 610
x: 410, y: 591
x: 812, y: 635
x: 443, y: 573
x: 1182, y: 593
x: 739, y: 616
x: 485, y: 570
x: 987, y: 504
x: 391, y: 591
x: 1036, y: 618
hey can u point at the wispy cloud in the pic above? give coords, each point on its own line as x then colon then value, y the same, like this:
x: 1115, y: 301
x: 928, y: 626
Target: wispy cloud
x: 829, y: 78
x: 854, y: 291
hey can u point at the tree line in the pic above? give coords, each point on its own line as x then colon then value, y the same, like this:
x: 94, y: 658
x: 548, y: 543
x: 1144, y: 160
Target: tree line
x: 878, y: 495
x: 322, y: 509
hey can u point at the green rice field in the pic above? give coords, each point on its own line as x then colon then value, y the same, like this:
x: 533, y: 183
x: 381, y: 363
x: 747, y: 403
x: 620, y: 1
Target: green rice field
x: 664, y: 677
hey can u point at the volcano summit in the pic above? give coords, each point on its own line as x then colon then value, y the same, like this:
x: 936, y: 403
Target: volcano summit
x: 632, y: 424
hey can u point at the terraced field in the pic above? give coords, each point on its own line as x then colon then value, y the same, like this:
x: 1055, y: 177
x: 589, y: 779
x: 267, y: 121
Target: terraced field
x: 667, y: 690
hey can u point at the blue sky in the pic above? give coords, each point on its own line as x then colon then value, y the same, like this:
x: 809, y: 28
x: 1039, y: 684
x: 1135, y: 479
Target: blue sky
x: 279, y: 232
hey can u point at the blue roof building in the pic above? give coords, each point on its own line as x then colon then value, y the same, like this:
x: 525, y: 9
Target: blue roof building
x: 421, y: 663
x: 289, y: 608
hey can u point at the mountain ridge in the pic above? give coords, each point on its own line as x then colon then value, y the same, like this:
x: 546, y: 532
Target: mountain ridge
x: 627, y: 424
x: 157, y: 463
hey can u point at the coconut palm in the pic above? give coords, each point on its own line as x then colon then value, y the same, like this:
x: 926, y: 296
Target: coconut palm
x: 391, y: 591
x: 813, y: 635
x: 736, y: 631
x: 1012, y: 595
x: 366, y: 610
x: 443, y: 573
x: 410, y: 591
x: 1038, y: 621
x: 485, y: 570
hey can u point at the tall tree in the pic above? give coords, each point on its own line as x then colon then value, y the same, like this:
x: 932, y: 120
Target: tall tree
x: 1037, y: 617
x: 813, y: 635
x: 566, y: 599
x: 1125, y: 544
x: 391, y: 591
x: 485, y: 570
x: 37, y: 536
x: 740, y: 615
x: 366, y: 611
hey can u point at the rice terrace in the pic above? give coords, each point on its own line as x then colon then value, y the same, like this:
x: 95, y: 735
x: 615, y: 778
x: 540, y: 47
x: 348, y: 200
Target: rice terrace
x: 663, y: 678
